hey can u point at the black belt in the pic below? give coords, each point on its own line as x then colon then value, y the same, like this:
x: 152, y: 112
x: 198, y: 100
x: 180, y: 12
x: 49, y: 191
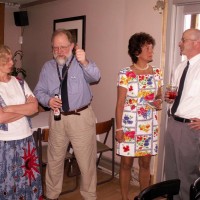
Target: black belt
x: 180, y: 119
x: 75, y: 112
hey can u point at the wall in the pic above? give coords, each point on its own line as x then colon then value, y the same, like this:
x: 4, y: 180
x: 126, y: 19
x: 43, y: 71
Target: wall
x: 109, y: 25
x: 2, y: 10
x: 11, y: 32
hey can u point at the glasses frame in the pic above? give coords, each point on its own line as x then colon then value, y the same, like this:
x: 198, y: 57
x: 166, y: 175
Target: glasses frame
x: 183, y: 40
x: 60, y: 48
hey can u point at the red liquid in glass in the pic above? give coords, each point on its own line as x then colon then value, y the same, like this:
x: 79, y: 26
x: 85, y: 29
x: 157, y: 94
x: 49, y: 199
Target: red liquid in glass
x: 172, y: 94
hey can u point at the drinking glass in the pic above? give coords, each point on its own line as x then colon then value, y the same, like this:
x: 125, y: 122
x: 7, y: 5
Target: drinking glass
x: 172, y: 91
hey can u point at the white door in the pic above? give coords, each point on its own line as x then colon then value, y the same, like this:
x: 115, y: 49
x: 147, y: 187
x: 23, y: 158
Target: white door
x: 178, y: 20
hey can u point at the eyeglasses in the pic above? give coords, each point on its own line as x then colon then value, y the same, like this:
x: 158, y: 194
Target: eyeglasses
x: 61, y: 48
x: 185, y: 39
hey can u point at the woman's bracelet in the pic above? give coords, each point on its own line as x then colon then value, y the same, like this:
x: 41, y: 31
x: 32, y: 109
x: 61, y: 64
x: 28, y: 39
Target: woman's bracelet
x: 118, y: 129
x: 159, y: 100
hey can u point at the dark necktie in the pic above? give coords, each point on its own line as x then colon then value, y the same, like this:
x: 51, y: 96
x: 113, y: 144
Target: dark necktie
x: 180, y: 89
x: 64, y: 90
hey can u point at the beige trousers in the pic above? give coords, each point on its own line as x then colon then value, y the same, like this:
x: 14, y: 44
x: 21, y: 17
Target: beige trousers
x: 80, y: 130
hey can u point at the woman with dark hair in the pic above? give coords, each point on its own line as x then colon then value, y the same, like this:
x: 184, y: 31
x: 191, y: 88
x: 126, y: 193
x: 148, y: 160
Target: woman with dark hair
x: 139, y: 98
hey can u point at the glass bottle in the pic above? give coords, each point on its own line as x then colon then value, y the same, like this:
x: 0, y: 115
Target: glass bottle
x: 57, y: 111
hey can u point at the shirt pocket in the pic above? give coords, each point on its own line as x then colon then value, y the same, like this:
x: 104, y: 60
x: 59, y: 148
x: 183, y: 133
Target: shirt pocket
x: 195, y: 88
x: 74, y: 85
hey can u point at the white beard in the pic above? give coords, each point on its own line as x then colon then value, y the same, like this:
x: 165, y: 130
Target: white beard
x: 60, y: 61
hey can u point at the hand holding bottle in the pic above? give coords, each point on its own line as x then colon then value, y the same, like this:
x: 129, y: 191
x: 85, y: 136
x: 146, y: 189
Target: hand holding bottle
x: 57, y: 111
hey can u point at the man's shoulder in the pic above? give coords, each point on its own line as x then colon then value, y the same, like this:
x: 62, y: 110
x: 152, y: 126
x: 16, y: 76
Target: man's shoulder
x: 51, y: 62
x: 49, y: 65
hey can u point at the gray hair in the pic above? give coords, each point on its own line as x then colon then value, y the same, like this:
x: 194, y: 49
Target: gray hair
x: 62, y: 32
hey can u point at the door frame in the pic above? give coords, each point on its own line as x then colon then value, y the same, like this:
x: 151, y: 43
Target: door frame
x: 174, y: 30
x: 2, y: 11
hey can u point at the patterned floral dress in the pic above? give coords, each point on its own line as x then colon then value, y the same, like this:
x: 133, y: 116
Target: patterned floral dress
x: 139, y: 121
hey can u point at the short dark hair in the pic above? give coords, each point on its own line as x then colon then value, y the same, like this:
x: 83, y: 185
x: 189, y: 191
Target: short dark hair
x: 136, y: 42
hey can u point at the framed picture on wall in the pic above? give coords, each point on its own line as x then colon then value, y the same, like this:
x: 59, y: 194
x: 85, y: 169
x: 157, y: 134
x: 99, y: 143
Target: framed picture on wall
x: 76, y: 25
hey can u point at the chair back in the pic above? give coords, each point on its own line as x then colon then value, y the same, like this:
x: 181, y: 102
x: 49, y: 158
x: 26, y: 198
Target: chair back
x: 45, y: 134
x: 37, y: 138
x: 71, y: 165
x: 165, y: 189
x: 104, y: 128
x: 195, y: 190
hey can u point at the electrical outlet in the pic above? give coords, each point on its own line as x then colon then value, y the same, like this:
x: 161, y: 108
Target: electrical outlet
x: 21, y: 40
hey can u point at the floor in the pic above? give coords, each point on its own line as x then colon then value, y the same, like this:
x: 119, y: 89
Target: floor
x: 106, y: 191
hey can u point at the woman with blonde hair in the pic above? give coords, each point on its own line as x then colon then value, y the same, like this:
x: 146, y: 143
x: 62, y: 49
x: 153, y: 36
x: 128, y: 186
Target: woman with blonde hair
x: 19, y: 167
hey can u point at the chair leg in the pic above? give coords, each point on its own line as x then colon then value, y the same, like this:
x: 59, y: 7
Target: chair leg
x: 38, y: 138
x: 113, y: 163
x: 112, y: 168
x: 63, y: 192
x: 75, y: 185
x: 40, y: 159
x: 99, y: 158
x: 73, y: 189
x: 43, y: 178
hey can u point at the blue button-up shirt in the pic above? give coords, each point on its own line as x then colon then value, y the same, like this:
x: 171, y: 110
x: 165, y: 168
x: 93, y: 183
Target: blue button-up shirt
x: 79, y: 79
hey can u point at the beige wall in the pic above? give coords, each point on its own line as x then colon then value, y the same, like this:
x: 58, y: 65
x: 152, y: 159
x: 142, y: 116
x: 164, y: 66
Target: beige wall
x: 11, y: 32
x: 109, y: 25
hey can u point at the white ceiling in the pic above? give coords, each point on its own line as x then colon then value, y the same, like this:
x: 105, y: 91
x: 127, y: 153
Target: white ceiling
x: 17, y: 1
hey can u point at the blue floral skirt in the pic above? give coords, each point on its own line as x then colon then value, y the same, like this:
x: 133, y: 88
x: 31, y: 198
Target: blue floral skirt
x: 20, y: 177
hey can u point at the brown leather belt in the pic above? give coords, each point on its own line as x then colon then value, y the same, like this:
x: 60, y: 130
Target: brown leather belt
x: 75, y: 112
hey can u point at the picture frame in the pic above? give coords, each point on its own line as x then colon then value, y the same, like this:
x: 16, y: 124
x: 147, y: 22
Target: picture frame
x: 76, y: 25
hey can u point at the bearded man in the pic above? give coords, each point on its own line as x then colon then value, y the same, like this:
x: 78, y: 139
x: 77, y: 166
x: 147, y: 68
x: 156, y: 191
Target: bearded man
x: 69, y: 75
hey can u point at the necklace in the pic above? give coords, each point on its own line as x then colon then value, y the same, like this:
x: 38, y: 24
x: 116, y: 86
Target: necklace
x: 139, y: 68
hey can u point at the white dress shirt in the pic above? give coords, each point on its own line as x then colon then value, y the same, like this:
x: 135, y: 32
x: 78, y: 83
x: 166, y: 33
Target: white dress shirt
x: 189, y: 105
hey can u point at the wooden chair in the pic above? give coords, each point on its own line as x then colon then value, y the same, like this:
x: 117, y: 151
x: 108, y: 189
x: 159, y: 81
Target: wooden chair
x: 40, y: 109
x: 195, y: 190
x: 38, y: 143
x: 43, y: 144
x: 103, y: 129
x: 165, y: 189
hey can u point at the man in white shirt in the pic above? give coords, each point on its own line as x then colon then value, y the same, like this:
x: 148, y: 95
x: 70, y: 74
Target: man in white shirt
x: 182, y: 142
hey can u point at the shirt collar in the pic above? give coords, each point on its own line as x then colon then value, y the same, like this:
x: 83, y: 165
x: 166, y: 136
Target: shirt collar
x: 194, y: 59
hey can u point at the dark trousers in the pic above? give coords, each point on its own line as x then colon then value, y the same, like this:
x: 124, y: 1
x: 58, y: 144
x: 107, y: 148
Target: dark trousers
x: 182, y: 155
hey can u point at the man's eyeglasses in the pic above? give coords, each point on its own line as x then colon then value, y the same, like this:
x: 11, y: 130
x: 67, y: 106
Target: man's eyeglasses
x: 61, y: 48
x: 185, y: 39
